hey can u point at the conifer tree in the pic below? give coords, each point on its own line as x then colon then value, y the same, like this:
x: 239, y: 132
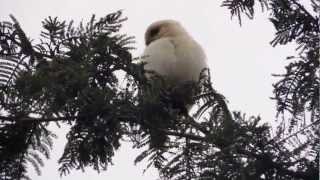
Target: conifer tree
x: 70, y: 78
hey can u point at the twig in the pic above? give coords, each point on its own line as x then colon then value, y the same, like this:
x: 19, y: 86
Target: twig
x: 301, y: 130
x: 29, y: 119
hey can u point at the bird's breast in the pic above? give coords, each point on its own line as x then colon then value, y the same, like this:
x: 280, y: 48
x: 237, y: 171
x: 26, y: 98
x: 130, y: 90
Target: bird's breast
x: 179, y: 59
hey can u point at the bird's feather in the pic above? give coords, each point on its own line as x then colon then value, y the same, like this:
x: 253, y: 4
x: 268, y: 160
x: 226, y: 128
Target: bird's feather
x: 178, y: 59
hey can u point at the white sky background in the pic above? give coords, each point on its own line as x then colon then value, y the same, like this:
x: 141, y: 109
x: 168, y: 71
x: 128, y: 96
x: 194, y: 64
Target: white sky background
x: 241, y: 58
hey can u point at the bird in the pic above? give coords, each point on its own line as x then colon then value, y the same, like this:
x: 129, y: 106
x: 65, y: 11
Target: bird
x: 174, y: 54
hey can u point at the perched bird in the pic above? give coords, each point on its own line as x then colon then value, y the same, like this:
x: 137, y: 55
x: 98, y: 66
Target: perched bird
x: 172, y: 53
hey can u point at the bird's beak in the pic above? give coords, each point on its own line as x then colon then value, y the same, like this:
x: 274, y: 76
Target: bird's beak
x: 149, y: 40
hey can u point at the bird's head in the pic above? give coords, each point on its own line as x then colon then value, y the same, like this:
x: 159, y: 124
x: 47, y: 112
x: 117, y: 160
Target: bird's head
x: 163, y: 28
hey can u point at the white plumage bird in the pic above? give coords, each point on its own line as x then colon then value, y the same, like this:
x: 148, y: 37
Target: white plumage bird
x: 171, y: 52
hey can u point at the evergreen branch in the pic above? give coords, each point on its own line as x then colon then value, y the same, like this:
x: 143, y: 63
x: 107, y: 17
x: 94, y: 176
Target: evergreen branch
x: 301, y: 7
x: 184, y: 135
x: 299, y: 131
x: 35, y: 120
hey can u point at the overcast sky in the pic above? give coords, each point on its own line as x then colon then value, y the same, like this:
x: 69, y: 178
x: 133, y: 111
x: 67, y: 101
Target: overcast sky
x: 240, y: 58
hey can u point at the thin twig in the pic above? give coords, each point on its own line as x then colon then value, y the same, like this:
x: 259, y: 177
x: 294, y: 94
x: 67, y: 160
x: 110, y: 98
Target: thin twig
x: 29, y: 119
x: 301, y: 130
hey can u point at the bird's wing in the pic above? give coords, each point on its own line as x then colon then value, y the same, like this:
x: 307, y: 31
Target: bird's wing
x: 160, y: 57
x: 191, y: 59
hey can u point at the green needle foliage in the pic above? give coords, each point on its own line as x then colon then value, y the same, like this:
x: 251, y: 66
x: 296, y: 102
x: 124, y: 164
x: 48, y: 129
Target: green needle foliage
x: 297, y: 91
x: 73, y: 77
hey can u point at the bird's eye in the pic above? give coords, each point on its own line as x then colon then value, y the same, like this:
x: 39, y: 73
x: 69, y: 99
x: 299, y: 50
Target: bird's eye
x: 154, y: 32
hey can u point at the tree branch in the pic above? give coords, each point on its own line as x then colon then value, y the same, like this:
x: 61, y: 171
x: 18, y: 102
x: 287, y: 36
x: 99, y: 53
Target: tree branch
x: 35, y: 120
x: 299, y: 131
x: 304, y: 10
x: 184, y: 135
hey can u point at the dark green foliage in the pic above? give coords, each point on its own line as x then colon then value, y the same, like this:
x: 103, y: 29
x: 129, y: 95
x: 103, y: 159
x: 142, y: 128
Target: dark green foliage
x: 297, y: 91
x: 227, y: 146
x: 247, y: 7
x: 69, y: 77
x: 72, y: 77
x: 21, y: 144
